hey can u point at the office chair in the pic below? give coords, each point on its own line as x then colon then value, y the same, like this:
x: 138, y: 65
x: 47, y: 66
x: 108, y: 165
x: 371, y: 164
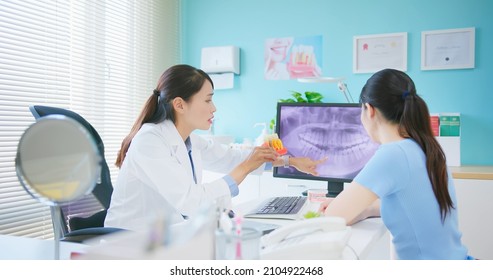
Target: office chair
x: 83, y: 219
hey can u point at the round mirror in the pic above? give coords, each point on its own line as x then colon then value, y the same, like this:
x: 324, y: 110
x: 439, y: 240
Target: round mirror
x: 57, y: 160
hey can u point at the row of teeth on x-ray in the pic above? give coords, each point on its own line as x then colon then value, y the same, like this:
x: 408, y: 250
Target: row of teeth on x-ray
x: 347, y: 149
x: 335, y: 143
x: 311, y: 115
x: 343, y: 141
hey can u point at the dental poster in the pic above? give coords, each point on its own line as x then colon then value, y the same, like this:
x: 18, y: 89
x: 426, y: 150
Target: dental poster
x: 292, y: 57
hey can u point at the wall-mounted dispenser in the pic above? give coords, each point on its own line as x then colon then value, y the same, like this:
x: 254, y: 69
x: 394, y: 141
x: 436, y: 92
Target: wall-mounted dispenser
x: 221, y: 63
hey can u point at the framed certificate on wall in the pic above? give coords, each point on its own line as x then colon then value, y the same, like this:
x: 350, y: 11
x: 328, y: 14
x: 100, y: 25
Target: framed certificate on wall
x: 372, y: 53
x: 447, y: 49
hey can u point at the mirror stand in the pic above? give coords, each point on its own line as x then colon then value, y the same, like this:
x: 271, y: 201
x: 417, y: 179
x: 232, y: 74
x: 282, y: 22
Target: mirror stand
x: 57, y: 162
x: 57, y: 230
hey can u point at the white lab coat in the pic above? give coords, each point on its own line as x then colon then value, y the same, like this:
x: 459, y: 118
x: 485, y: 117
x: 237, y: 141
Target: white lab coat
x: 156, y: 179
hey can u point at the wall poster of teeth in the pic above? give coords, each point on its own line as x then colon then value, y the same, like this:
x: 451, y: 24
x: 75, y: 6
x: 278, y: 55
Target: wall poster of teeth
x: 372, y: 53
x: 293, y: 57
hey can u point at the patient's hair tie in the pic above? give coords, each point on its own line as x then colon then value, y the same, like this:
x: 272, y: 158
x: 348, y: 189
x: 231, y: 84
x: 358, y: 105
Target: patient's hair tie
x: 405, y: 94
x: 157, y: 92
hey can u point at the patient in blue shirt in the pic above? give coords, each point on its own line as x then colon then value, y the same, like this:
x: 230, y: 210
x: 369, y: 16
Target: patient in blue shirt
x: 406, y: 181
x: 397, y: 175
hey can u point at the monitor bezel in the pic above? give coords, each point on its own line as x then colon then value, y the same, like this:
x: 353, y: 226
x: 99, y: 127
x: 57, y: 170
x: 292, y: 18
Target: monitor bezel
x: 277, y: 130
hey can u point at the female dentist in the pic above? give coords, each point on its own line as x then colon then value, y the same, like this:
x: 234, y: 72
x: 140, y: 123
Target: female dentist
x: 161, y: 161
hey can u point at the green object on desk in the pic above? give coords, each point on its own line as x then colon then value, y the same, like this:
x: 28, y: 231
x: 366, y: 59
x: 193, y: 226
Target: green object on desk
x: 311, y: 214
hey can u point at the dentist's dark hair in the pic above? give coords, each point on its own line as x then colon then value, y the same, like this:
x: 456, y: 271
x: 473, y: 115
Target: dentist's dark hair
x: 393, y: 93
x: 177, y: 81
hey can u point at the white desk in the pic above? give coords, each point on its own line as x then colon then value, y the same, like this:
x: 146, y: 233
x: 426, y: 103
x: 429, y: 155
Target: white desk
x: 369, y: 238
x: 23, y: 248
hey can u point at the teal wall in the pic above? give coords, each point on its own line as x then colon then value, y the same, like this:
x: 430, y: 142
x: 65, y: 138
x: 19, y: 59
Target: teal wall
x: 247, y: 23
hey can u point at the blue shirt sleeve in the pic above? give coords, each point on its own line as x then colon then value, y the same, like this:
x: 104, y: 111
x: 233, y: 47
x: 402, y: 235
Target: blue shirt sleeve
x: 384, y: 171
x: 233, y: 187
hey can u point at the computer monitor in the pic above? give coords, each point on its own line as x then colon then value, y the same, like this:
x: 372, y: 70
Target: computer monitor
x: 318, y: 130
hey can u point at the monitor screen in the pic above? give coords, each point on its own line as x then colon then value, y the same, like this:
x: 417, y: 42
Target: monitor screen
x: 318, y: 130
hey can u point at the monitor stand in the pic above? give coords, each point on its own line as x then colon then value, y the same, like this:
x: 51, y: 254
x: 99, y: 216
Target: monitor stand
x: 334, y: 188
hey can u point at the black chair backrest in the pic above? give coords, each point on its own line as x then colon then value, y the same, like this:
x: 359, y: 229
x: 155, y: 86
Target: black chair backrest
x: 104, y: 188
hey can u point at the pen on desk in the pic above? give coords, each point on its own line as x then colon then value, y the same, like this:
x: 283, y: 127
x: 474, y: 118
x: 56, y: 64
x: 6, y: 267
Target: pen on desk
x: 238, y: 221
x: 158, y: 234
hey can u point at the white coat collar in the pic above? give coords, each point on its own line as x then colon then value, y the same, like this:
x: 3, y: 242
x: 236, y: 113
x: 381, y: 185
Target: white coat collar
x: 179, y: 149
x: 173, y: 137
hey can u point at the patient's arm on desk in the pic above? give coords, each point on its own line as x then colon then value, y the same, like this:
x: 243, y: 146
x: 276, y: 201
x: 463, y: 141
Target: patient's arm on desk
x: 372, y: 211
x: 354, y: 204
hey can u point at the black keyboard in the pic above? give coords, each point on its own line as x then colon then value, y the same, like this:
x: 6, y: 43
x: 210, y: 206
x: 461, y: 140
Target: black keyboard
x: 282, y: 205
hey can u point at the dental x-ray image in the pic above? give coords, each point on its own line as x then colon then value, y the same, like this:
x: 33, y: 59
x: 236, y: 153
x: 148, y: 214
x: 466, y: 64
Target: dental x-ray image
x: 326, y: 130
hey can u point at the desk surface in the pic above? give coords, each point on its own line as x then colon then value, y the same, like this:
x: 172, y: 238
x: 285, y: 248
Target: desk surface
x: 364, y: 238
x: 24, y: 248
x: 364, y: 235
x: 472, y: 172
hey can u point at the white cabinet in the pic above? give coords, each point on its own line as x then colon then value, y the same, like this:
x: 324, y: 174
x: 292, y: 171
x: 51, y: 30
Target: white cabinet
x: 474, y: 202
